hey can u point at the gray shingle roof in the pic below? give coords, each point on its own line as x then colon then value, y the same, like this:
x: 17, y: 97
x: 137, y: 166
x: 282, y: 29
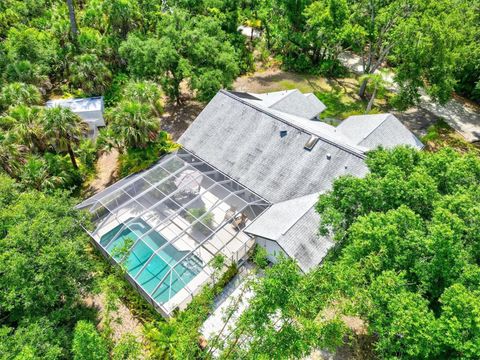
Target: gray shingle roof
x: 293, y: 224
x: 303, y: 243
x: 298, y: 104
x: 371, y: 131
x: 292, y: 102
x: 315, y: 101
x: 244, y: 141
x: 278, y: 219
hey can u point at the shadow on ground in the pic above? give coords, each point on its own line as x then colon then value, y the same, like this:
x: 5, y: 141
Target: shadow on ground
x: 417, y: 120
x: 177, y: 118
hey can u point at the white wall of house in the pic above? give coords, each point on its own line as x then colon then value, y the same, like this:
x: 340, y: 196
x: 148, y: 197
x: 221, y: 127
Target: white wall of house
x: 273, y: 249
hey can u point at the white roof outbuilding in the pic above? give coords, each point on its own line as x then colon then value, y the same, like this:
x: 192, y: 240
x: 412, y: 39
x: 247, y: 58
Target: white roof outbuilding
x: 89, y: 109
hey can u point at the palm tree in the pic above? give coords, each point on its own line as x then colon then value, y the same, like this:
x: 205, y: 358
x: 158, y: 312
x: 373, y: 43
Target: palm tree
x: 35, y: 174
x: 89, y: 73
x: 145, y: 92
x: 375, y: 84
x: 64, y: 128
x: 132, y: 124
x: 26, y: 123
x: 11, y: 154
x: 19, y: 93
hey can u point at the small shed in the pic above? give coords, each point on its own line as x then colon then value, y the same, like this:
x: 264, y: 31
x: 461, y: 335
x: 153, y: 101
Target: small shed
x: 89, y: 109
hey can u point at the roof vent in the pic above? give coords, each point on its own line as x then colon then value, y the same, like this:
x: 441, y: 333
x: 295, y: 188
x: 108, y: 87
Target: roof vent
x: 329, y: 156
x: 283, y: 133
x: 311, y: 142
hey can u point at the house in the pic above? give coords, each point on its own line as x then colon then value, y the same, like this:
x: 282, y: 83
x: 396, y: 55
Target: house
x: 90, y: 110
x: 250, y: 170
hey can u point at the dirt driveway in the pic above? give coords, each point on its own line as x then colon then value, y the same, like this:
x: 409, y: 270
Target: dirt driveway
x: 275, y: 79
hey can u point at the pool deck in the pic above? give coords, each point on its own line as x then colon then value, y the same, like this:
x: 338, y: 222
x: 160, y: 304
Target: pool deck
x: 228, y: 240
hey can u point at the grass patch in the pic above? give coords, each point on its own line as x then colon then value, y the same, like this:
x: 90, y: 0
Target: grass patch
x: 441, y: 134
x: 291, y: 85
x: 340, y: 106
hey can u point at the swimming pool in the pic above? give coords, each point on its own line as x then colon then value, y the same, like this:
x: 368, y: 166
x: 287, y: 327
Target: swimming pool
x: 156, y: 269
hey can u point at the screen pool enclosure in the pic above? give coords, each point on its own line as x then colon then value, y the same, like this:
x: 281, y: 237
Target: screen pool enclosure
x: 166, y: 225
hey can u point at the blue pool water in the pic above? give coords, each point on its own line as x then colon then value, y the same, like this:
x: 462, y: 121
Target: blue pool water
x: 159, y: 266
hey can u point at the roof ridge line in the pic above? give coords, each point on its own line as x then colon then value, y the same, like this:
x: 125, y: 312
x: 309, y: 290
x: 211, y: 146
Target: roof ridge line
x: 376, y: 127
x: 286, y: 95
x: 350, y: 149
x: 298, y: 219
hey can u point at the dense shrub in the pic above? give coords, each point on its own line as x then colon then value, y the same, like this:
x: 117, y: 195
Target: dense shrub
x: 135, y: 160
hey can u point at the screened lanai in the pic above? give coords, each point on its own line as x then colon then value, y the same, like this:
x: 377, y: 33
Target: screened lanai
x: 166, y: 225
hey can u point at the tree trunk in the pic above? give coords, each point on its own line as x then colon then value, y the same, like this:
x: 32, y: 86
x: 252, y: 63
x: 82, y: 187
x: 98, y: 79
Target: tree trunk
x: 39, y: 145
x: 363, y: 87
x: 9, y: 171
x: 372, y: 99
x: 72, y: 155
x: 73, y: 21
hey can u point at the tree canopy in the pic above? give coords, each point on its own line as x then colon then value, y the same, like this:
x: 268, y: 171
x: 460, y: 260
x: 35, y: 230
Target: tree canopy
x: 407, y: 265
x: 39, y: 240
x: 185, y: 47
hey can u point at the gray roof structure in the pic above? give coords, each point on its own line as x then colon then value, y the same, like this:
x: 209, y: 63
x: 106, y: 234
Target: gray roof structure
x: 269, y: 158
x: 277, y: 220
x: 372, y: 131
x: 263, y: 142
x: 303, y: 242
x: 291, y: 102
x: 293, y: 224
x: 265, y: 150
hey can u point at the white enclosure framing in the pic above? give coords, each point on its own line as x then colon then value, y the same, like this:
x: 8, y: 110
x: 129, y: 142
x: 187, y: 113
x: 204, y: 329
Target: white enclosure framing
x: 166, y: 225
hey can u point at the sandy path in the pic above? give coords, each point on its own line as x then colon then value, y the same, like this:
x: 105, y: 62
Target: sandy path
x: 275, y: 79
x: 177, y: 118
x: 106, y: 170
x: 123, y: 322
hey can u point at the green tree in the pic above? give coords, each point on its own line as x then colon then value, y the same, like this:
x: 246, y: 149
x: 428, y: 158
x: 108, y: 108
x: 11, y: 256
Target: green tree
x: 11, y: 154
x: 128, y: 348
x: 146, y: 92
x: 406, y: 264
x: 35, y: 174
x: 87, y: 343
x: 405, y: 230
x: 25, y: 72
x: 327, y: 29
x: 19, y: 94
x: 73, y: 20
x: 38, y: 339
x: 420, y: 37
x: 459, y: 323
x: 187, y: 48
x: 439, y: 30
x: 65, y: 129
x: 404, y: 323
x: 39, y: 239
x: 90, y: 74
x: 375, y: 84
x: 132, y: 125
x: 26, y: 122
x: 33, y: 45
x: 123, y: 16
